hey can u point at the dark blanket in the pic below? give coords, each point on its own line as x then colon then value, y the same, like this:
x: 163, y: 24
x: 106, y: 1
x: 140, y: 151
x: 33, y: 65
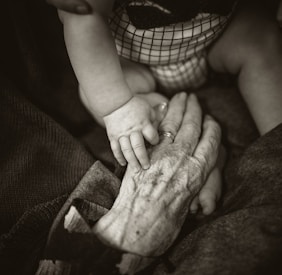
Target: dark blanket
x: 48, y: 142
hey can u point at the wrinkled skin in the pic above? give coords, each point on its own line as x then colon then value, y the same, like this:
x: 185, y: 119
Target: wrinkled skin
x: 152, y: 204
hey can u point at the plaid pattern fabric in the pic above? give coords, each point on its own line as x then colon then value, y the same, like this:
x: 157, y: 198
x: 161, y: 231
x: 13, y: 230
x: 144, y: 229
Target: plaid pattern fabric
x: 175, y: 53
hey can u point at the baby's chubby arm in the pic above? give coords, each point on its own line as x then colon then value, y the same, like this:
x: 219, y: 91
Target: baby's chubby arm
x: 97, y: 67
x: 94, y: 58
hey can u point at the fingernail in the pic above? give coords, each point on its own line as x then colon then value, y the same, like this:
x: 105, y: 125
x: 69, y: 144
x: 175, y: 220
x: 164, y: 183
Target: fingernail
x: 193, y: 211
x: 147, y: 166
x: 83, y: 9
x: 162, y: 107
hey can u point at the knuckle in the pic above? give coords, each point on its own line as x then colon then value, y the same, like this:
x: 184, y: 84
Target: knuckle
x: 126, y: 150
x: 202, y: 159
x: 196, y: 163
x: 196, y: 173
x: 194, y: 127
x: 188, y: 146
x: 213, y: 142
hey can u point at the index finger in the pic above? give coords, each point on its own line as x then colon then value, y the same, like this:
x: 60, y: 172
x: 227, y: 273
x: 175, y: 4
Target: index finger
x: 72, y: 6
x: 174, y: 115
x: 190, y: 130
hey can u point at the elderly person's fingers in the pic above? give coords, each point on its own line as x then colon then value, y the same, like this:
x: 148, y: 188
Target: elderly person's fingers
x: 207, y: 153
x: 191, y: 126
x: 208, y: 147
x: 210, y: 192
x: 73, y: 6
x: 172, y: 121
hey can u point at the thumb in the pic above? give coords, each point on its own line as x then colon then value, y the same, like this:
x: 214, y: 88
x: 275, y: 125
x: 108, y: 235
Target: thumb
x: 160, y: 112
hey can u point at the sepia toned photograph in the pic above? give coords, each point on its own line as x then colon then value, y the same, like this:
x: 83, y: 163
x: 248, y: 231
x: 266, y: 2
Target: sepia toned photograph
x: 141, y: 137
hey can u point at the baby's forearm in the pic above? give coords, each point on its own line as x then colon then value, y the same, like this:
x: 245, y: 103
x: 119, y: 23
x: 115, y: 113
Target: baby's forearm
x: 95, y: 61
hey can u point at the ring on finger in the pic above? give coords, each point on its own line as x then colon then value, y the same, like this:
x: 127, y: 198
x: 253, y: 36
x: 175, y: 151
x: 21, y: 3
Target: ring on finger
x: 168, y: 134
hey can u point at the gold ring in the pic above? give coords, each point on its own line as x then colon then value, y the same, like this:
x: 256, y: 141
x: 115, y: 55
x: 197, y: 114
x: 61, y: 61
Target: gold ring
x: 167, y: 134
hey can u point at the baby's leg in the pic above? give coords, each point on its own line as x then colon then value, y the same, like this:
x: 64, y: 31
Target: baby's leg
x: 251, y: 47
x: 141, y: 82
x: 138, y: 77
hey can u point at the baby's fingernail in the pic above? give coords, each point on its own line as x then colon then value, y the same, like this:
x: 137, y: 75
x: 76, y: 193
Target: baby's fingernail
x: 163, y: 106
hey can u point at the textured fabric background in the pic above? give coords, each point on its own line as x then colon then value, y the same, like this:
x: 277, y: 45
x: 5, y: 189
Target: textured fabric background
x: 48, y: 141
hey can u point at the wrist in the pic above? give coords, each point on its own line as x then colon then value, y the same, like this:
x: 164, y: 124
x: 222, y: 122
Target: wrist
x: 118, y: 106
x: 107, y: 100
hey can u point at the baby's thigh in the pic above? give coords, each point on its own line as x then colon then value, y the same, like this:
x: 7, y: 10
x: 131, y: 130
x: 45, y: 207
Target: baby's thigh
x: 141, y: 82
x: 138, y: 77
x: 253, y: 31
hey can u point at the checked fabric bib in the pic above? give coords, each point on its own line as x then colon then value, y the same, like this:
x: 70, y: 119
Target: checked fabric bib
x: 176, y: 53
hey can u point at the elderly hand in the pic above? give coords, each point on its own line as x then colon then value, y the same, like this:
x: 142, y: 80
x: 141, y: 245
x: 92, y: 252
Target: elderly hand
x: 73, y: 6
x: 152, y: 204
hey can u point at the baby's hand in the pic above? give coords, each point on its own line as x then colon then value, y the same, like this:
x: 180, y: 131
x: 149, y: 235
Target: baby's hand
x: 127, y: 127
